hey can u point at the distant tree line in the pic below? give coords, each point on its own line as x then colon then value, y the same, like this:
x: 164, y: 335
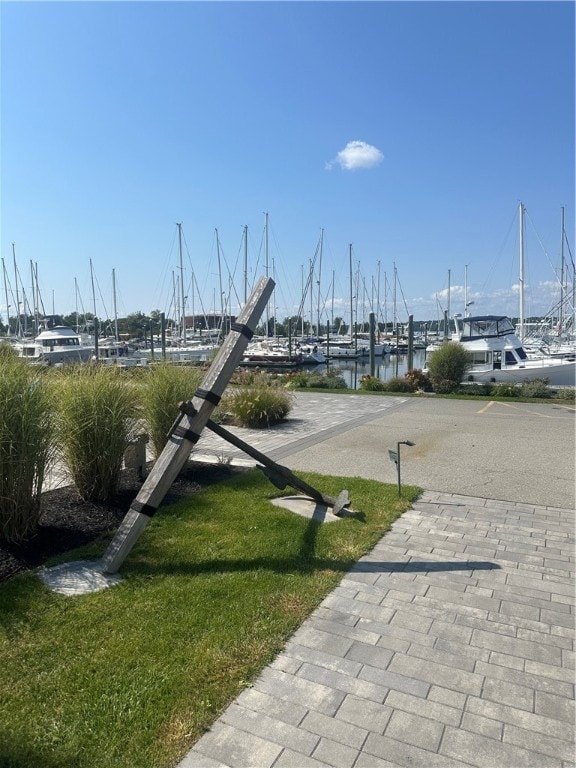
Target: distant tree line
x: 134, y: 325
x: 139, y: 325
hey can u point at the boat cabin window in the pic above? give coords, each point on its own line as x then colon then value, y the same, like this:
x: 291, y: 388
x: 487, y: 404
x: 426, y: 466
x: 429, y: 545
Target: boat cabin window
x: 71, y: 341
x: 481, y: 327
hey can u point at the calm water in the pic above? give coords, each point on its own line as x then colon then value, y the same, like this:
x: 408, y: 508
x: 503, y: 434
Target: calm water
x: 386, y: 367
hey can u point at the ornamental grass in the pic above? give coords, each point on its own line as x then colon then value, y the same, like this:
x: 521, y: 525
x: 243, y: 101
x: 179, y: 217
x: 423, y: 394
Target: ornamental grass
x: 164, y: 386
x: 25, y: 445
x: 264, y: 403
x: 95, y: 413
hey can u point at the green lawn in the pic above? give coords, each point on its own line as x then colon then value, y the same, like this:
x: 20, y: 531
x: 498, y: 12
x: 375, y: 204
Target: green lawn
x: 130, y: 677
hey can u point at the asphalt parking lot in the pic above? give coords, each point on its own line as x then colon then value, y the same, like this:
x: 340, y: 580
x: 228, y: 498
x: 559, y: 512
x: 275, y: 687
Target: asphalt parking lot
x: 523, y: 452
x: 508, y: 451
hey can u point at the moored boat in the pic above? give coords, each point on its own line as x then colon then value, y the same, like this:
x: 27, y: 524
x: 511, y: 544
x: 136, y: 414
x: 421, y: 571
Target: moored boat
x: 270, y: 354
x: 58, y: 345
x: 498, y: 355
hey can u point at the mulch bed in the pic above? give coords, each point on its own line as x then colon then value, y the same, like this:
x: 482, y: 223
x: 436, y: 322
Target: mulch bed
x: 67, y: 522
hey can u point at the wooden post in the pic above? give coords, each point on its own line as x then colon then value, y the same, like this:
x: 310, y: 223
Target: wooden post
x: 410, y: 359
x: 372, y: 342
x: 187, y: 430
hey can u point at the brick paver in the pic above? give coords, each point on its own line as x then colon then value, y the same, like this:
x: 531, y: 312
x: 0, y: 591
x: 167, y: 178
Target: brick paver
x: 450, y: 644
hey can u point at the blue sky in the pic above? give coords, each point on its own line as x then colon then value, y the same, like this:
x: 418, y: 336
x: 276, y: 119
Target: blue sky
x: 408, y: 130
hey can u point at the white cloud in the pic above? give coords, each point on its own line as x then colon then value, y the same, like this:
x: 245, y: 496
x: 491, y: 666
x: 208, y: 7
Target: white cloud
x: 356, y: 154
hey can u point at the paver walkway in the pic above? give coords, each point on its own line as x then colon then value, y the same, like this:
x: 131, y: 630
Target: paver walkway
x: 314, y: 418
x: 450, y: 644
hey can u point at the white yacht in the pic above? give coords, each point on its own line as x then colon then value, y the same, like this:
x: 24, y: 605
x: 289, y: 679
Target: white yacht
x: 57, y: 345
x: 497, y: 354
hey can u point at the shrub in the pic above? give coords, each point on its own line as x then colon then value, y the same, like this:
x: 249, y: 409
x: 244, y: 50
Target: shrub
x: 535, y: 388
x: 328, y: 380
x: 95, y: 409
x: 26, y: 445
x: 505, y: 389
x: 399, y: 384
x: 372, y: 384
x: 163, y: 388
x: 447, y: 367
x: 475, y: 388
x: 247, y: 377
x: 314, y: 380
x: 259, y: 405
x: 566, y: 393
x: 419, y: 380
x: 444, y: 387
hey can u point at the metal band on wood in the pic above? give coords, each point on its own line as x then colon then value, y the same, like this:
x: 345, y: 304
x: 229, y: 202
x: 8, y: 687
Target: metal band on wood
x: 243, y: 329
x: 187, y: 434
x: 205, y: 394
x: 143, y: 509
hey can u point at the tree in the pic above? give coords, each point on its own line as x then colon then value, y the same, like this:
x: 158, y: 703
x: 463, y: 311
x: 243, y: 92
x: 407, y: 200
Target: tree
x: 339, y: 326
x: 135, y: 324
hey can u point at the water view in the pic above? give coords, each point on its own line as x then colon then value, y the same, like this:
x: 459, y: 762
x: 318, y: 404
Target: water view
x: 386, y: 367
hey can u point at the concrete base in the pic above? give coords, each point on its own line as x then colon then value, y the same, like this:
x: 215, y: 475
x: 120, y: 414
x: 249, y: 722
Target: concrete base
x: 306, y: 507
x: 78, y: 578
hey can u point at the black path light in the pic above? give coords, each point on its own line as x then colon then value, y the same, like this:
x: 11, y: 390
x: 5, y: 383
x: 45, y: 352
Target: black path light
x: 395, y: 457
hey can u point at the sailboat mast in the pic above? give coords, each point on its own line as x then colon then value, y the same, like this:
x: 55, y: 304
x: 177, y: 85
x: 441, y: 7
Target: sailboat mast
x: 319, y: 278
x: 6, y: 294
x: 193, y: 305
x: 386, y: 286
x: 521, y: 274
x: 332, y: 306
x: 220, y: 285
x: 311, y: 284
x: 93, y: 294
x: 18, y: 318
x: 351, y: 296
x: 394, y: 313
x: 378, y: 314
x: 76, y: 304
x: 266, y: 266
x: 245, y: 263
x: 34, y: 297
x: 182, y: 297
x: 449, y: 295
x: 562, y: 278
x: 114, y: 300
x: 302, y: 304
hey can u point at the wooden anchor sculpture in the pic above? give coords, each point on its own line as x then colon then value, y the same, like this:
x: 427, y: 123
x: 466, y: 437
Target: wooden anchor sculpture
x: 188, y: 431
x: 277, y: 474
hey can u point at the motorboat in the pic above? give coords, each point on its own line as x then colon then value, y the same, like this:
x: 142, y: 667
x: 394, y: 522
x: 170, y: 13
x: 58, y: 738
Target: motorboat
x: 498, y: 355
x: 270, y: 354
x: 343, y: 347
x: 57, y: 345
x: 311, y: 353
x: 185, y: 352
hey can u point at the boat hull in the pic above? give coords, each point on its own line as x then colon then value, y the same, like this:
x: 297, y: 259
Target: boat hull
x: 560, y: 374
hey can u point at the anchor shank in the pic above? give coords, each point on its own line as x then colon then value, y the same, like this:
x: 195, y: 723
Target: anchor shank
x: 290, y: 478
